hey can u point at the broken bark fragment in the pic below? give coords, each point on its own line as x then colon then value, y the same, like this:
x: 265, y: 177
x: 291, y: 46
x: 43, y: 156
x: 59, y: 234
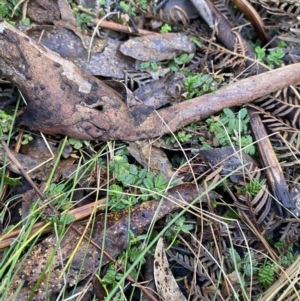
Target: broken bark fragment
x: 104, y: 60
x: 152, y: 158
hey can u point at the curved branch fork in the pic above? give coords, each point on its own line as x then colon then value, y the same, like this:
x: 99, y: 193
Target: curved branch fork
x: 64, y: 99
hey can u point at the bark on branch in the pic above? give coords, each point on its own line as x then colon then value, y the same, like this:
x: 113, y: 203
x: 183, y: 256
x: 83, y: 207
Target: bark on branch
x: 64, y: 99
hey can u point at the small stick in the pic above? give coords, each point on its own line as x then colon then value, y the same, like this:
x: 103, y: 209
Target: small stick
x: 273, y: 169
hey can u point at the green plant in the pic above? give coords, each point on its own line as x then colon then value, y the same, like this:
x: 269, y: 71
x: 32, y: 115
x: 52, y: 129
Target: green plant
x: 266, y: 274
x: 260, y: 53
x: 26, y: 139
x: 181, y: 225
x: 282, y: 44
x: 3, y: 9
x: 199, y: 84
x: 272, y: 58
x: 129, y: 9
x: 153, y: 65
x: 5, y: 124
x: 287, y: 254
x: 134, y: 249
x: 110, y: 278
x: 193, y: 126
x: 6, y: 9
x: 180, y: 61
x: 126, y: 259
x: 165, y: 28
x: 232, y: 127
x: 289, y: 257
x: 142, y: 3
x: 9, y: 181
x: 254, y: 186
x: 25, y: 22
x: 77, y: 143
x: 146, y: 184
x: 248, y: 265
x: 205, y: 146
x: 59, y: 193
x: 82, y: 18
x: 243, y: 268
x: 246, y: 142
x: 183, y: 58
x: 62, y: 221
x: 182, y: 137
x: 196, y: 41
x: 118, y: 201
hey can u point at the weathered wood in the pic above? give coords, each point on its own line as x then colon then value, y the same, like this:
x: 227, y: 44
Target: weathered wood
x: 275, y: 176
x: 64, y: 99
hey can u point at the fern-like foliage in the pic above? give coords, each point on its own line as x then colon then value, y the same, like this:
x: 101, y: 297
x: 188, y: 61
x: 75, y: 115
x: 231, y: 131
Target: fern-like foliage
x: 236, y: 17
x: 280, y: 114
x: 282, y: 14
x: 153, y: 10
x: 290, y: 233
x: 133, y: 77
x: 283, y: 104
x: 223, y: 59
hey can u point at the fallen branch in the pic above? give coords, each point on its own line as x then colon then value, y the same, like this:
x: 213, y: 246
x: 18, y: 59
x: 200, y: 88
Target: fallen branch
x: 64, y: 99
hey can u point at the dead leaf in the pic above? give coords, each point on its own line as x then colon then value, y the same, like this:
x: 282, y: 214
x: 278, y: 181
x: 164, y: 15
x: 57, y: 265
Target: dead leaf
x: 30, y: 163
x: 38, y: 149
x: 154, y: 48
x: 161, y: 92
x: 165, y: 282
x: 151, y: 157
x: 41, y: 166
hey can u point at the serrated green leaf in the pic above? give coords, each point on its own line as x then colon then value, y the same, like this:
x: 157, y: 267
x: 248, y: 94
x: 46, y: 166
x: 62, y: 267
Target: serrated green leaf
x: 142, y: 173
x: 160, y: 183
x: 148, y: 183
x: 133, y: 169
x: 229, y: 113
